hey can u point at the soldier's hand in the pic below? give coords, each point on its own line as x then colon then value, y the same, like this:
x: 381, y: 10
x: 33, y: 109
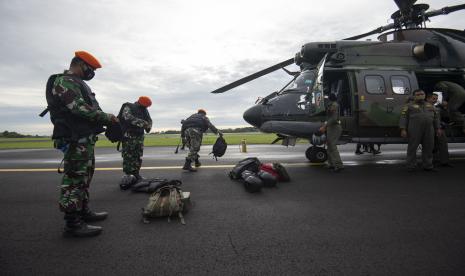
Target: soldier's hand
x: 403, y: 133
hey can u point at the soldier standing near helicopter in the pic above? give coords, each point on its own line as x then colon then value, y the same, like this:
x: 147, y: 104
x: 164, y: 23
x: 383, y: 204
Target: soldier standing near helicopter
x: 333, y: 130
x: 419, y: 122
x: 441, y: 147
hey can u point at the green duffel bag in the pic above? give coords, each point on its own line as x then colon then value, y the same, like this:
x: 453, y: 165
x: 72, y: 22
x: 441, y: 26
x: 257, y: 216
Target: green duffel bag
x: 167, y: 201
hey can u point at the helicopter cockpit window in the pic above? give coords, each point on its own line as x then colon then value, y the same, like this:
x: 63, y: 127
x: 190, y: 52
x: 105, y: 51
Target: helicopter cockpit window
x: 375, y: 84
x: 304, y: 82
x: 400, y: 85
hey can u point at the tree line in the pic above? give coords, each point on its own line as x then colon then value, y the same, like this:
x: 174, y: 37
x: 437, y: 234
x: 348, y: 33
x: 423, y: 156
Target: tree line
x: 225, y: 130
x: 13, y: 134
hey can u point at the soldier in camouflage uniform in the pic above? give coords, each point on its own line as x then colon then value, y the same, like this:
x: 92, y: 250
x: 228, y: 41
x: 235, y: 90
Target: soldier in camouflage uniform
x: 77, y: 119
x: 333, y: 130
x: 192, y: 132
x: 134, y: 119
x: 419, y: 122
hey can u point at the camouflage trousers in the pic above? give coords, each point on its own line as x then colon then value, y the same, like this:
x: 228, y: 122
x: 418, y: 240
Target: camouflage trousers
x: 193, y: 142
x: 133, y: 149
x: 79, y: 167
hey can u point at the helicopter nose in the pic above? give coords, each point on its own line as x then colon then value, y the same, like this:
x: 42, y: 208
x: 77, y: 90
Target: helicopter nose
x: 253, y: 115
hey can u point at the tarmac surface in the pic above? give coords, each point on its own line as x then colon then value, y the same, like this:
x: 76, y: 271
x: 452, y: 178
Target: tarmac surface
x: 373, y: 218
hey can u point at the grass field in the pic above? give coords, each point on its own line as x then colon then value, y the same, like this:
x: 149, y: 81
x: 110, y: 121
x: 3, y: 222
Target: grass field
x: 152, y: 140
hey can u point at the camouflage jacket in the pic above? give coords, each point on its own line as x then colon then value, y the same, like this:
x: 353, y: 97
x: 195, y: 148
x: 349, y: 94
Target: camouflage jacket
x: 134, y: 120
x: 422, y: 111
x: 198, y: 121
x: 68, y: 90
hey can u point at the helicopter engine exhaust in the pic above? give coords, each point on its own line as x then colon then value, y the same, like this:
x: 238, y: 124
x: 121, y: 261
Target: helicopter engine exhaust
x: 425, y: 51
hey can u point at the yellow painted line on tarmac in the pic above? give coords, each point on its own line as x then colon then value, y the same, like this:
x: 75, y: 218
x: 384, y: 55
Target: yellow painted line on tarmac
x: 296, y: 165
x: 155, y: 168
x: 28, y: 170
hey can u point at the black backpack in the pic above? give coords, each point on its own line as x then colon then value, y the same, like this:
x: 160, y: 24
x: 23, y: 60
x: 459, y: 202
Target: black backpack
x: 219, y: 148
x: 251, y: 164
x: 114, y: 132
x: 57, y: 111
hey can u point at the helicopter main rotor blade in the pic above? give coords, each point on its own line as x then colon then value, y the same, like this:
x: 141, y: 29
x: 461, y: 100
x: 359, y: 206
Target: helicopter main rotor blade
x: 254, y: 76
x: 405, y: 5
x: 445, y: 10
x: 375, y: 31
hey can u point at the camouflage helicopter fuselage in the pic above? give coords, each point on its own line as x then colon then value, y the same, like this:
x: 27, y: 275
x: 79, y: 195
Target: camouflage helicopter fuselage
x: 372, y: 79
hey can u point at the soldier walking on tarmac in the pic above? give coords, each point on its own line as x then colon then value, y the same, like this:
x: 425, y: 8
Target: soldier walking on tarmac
x: 333, y: 130
x: 135, y: 119
x: 77, y: 119
x: 419, y: 122
x: 192, y: 132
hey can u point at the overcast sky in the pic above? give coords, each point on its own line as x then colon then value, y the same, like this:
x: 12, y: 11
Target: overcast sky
x: 174, y: 51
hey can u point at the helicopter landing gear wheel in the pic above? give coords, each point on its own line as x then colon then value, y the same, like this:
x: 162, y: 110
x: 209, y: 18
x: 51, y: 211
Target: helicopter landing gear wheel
x: 316, y: 154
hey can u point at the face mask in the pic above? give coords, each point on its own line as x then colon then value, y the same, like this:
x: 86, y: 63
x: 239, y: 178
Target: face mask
x: 419, y: 98
x: 88, y: 73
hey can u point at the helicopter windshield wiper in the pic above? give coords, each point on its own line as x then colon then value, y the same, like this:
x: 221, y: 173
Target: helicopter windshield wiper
x: 287, y: 84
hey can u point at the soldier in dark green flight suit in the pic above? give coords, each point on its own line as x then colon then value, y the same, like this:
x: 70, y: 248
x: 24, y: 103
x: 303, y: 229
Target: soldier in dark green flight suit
x: 134, y: 118
x: 441, y: 147
x: 77, y: 119
x: 333, y: 130
x: 419, y: 122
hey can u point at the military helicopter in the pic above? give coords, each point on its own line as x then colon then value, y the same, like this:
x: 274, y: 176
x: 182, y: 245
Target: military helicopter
x: 371, y: 79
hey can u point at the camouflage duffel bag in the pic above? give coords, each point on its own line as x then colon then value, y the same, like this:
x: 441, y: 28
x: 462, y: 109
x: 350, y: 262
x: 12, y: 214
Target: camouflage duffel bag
x: 167, y: 201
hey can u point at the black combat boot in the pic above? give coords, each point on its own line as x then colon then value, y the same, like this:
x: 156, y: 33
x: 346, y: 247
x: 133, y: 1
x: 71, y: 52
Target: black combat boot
x: 75, y: 227
x: 197, y: 163
x: 88, y: 215
x: 188, y: 166
x: 139, y: 177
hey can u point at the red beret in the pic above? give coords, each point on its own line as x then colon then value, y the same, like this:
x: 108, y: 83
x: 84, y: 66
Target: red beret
x: 88, y: 58
x: 145, y: 101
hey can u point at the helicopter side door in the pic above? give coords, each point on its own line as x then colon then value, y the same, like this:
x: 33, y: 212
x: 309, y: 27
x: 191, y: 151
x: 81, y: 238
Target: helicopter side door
x: 381, y: 97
